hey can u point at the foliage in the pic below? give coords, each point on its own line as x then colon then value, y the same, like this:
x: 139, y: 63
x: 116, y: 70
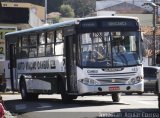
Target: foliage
x: 82, y: 7
x: 56, y: 19
x: 66, y: 11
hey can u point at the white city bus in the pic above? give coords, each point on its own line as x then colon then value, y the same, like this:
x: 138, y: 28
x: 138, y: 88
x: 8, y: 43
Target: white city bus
x: 88, y: 56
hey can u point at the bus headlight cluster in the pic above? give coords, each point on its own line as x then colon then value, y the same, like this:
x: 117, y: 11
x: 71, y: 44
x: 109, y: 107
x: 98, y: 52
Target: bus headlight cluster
x: 135, y: 80
x: 89, y: 81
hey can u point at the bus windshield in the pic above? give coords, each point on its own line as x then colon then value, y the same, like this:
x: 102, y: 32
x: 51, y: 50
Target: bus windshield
x: 109, y: 49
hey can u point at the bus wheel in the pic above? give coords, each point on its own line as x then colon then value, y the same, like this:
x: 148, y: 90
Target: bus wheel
x: 156, y: 88
x: 4, y: 87
x: 128, y: 93
x: 64, y: 95
x: 74, y: 96
x: 33, y: 96
x: 27, y: 96
x: 67, y: 98
x: 23, y: 90
x: 140, y: 93
x: 116, y: 97
x: 159, y: 100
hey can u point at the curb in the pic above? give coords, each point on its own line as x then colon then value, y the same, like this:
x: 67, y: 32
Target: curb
x: 8, y: 93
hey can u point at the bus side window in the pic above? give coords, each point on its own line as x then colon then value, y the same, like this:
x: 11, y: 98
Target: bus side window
x: 49, y: 49
x: 59, y: 43
x: 41, y: 46
x: 33, y: 45
x: 23, y: 54
x: 50, y: 43
x: 33, y: 52
x: 23, y: 43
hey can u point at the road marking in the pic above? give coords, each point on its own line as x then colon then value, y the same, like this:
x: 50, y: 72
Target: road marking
x: 44, y: 105
x: 145, y: 102
x: 20, y: 107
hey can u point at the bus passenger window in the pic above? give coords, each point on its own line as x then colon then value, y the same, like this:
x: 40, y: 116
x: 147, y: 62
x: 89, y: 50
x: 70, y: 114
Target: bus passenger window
x: 59, y: 43
x: 42, y: 38
x: 59, y: 49
x: 41, y: 46
x: 33, y: 52
x: 33, y: 40
x: 41, y: 50
x: 24, y: 53
x: 50, y: 49
x: 59, y: 36
x: 24, y: 41
x: 50, y: 43
x: 50, y: 37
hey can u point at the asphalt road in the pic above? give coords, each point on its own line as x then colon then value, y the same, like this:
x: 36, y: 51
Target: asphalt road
x: 51, y: 106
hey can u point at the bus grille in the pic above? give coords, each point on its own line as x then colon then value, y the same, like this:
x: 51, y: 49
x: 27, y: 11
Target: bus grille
x: 113, y: 78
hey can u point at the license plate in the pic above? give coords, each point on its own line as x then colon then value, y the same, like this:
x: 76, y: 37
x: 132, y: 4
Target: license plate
x: 114, y: 88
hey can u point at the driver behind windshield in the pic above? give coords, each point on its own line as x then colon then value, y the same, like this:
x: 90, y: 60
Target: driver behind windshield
x: 118, y: 46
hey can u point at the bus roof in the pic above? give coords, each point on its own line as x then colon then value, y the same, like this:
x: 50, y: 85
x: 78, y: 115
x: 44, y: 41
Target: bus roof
x: 66, y: 23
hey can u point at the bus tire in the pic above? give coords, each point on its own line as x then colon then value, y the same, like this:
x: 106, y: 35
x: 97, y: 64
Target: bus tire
x: 67, y: 98
x: 156, y: 88
x: 25, y: 95
x: 140, y: 93
x: 159, y: 101
x: 33, y: 96
x: 128, y: 93
x: 4, y: 87
x: 23, y: 90
x: 116, y: 97
x: 64, y: 95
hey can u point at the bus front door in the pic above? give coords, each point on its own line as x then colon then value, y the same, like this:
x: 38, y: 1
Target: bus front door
x: 70, y: 52
x: 12, y: 59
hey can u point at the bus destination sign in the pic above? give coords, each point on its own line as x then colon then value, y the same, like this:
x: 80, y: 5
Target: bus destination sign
x: 117, y: 23
x: 89, y: 24
x: 121, y: 23
x: 108, y: 25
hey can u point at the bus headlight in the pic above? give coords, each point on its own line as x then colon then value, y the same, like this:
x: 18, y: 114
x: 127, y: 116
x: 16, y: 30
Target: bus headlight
x: 89, y: 81
x: 135, y: 80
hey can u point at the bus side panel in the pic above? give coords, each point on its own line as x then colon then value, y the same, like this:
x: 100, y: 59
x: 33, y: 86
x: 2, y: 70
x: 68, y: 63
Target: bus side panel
x: 37, y: 84
x: 41, y: 74
x: 41, y: 65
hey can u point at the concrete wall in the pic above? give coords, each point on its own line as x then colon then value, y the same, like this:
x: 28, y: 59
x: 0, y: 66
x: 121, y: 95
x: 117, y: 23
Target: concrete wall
x: 34, y: 21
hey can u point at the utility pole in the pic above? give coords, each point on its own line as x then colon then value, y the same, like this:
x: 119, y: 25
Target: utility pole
x: 154, y: 32
x: 45, y: 14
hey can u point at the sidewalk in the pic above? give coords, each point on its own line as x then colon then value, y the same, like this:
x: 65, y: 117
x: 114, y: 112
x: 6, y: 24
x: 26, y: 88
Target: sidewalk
x: 8, y: 92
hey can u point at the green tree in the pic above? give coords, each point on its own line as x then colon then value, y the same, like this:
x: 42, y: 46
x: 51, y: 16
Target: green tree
x: 56, y: 19
x: 82, y: 7
x: 66, y: 11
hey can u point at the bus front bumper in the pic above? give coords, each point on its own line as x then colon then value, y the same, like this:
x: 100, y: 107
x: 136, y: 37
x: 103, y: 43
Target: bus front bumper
x: 93, y: 89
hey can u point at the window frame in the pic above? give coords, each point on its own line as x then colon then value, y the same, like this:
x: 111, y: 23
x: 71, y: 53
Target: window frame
x: 52, y: 44
x: 41, y: 44
x: 30, y: 46
x: 59, y: 42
